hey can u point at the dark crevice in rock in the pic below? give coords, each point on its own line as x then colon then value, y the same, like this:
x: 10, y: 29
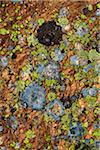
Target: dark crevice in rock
x: 49, y: 33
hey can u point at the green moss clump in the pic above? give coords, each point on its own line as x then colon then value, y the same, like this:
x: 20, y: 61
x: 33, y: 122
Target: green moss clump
x: 51, y: 96
x: 40, y: 21
x: 20, y: 85
x: 4, y: 31
x: 65, y: 122
x: 30, y: 134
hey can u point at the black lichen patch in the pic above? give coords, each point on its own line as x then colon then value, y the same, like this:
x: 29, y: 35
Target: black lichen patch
x: 49, y: 33
x: 85, y: 11
x: 82, y: 146
x: 68, y: 101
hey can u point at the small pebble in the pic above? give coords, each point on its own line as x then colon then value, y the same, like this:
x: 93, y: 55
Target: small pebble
x: 63, y: 12
x: 1, y: 128
x: 92, y: 91
x: 85, y: 11
x: 67, y: 27
x: 10, y: 47
x: 3, y: 148
x: 3, y: 61
x: 98, y: 12
x: 74, y: 60
x: 82, y: 31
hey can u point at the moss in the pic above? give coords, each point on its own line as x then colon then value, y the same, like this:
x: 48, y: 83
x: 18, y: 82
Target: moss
x: 20, y: 85
x: 12, y: 144
x: 49, y: 147
x: 85, y: 124
x: 77, y: 23
x: 83, y: 54
x: 40, y: 21
x: 15, y: 26
x: 30, y: 25
x: 34, y: 53
x: 4, y: 31
x: 94, y: 55
x: 48, y: 138
x: 32, y: 40
x: 96, y: 133
x: 62, y: 45
x: 50, y: 82
x: 22, y: 26
x: 30, y: 134
x: 78, y: 76
x: 34, y: 75
x: 27, y: 68
x: 83, y: 16
x: 19, y: 17
x: 29, y: 145
x: 65, y: 122
x: 47, y: 118
x: 63, y: 21
x: 27, y: 82
x: 0, y: 19
x: 51, y: 96
x: 1, y: 84
x: 75, y: 111
x: 42, y: 50
x: 26, y: 140
x: 91, y: 101
x: 90, y: 7
x: 72, y: 147
x: 98, y: 5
